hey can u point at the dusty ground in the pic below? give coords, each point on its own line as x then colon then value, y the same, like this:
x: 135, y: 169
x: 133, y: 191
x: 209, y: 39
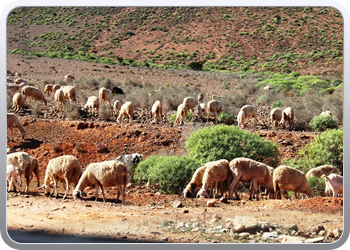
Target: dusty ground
x: 147, y: 215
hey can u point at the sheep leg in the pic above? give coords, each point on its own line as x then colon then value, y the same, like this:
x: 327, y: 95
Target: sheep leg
x: 67, y: 188
x: 103, y: 193
x: 130, y: 118
x: 232, y: 186
x: 96, y: 193
x: 55, y: 188
x: 255, y: 188
x: 216, y: 117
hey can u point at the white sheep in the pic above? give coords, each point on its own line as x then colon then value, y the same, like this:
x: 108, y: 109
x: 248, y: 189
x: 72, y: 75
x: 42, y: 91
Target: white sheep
x: 326, y: 113
x: 117, y: 105
x: 322, y: 170
x: 92, y: 104
x: 55, y: 87
x: 65, y: 169
x: 275, y: 116
x: 105, y: 95
x: 70, y: 93
x: 12, y: 176
x: 17, y: 102
x: 36, y: 93
x: 245, y: 169
x: 157, y: 111
x: 103, y: 174
x: 247, y: 111
x: 334, y: 182
x: 19, y: 81
x: 127, y: 110
x: 288, y: 178
x: 13, y: 122
x: 267, y: 88
x: 287, y: 117
x: 130, y: 159
x: 68, y: 78
x: 215, y: 107
x: 216, y: 172
x: 59, y: 99
x: 13, y: 88
x: 21, y: 160
x: 196, y: 182
x: 190, y: 103
x: 181, y: 114
x: 48, y: 89
x: 202, y: 109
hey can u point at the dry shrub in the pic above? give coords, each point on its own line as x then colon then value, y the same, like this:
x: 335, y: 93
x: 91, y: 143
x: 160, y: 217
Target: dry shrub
x: 72, y: 110
x: 104, y: 112
x: 37, y: 110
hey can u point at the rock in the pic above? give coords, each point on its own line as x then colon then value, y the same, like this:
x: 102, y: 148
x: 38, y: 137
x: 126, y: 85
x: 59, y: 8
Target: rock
x: 290, y: 239
x: 330, y: 233
x: 130, y: 185
x: 163, y: 238
x: 269, y: 235
x: 244, y: 235
x: 317, y: 229
x: 315, y: 240
x: 82, y: 125
x: 28, y: 225
x: 291, y: 227
x: 337, y: 233
x: 244, y: 223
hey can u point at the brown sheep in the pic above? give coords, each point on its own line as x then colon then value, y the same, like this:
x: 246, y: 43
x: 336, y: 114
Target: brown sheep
x: 202, y: 110
x: 68, y: 78
x: 200, y: 97
x: 56, y: 87
x: 181, y: 114
x: 36, y: 93
x: 105, y: 95
x: 59, y: 99
x: 190, y: 103
x: 116, y: 107
x: 287, y: 117
x: 215, y: 107
x: 276, y: 116
x: 127, y: 110
x: 245, y: 169
x: 247, y: 111
x: 13, y: 122
x: 48, y: 89
x: 288, y: 178
x: 19, y: 81
x: 196, y: 182
x: 13, y: 88
x: 70, y: 93
x: 17, y: 102
x: 320, y: 170
x: 157, y: 111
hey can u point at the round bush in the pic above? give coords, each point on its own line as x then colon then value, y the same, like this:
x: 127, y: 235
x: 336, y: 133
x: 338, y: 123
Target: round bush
x: 317, y: 185
x: 172, y: 173
x: 321, y: 123
x: 228, y: 142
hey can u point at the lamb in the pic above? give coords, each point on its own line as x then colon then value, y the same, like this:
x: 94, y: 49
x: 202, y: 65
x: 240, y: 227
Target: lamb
x: 13, y: 122
x: 334, y: 182
x: 190, y: 103
x: 21, y: 160
x: 326, y: 113
x: 13, y: 88
x: 196, y: 182
x: 59, y: 99
x: 288, y: 178
x: 130, y: 159
x: 322, y: 170
x: 157, y: 111
x: 48, y: 89
x: 103, y: 174
x: 17, y: 102
x: 127, y: 110
x: 215, y: 107
x: 12, y: 175
x: 37, y: 94
x: 276, y: 116
x: 64, y: 168
x: 92, y: 104
x: 245, y: 169
x: 105, y: 95
x: 287, y: 116
x: 202, y: 109
x: 69, y: 78
x: 247, y: 111
x: 70, y: 93
x: 181, y: 114
x: 116, y: 107
x: 216, y: 171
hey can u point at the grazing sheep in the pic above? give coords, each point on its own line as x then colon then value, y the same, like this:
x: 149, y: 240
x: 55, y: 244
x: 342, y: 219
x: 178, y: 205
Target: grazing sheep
x: 21, y: 160
x: 19, y: 81
x: 245, y: 169
x: 103, y: 174
x: 130, y: 159
x: 276, y: 116
x: 36, y: 93
x: 13, y: 88
x: 13, y: 122
x: 200, y: 97
x: 326, y: 113
x: 181, y: 114
x: 56, y: 87
x: 64, y: 168
x: 215, y: 107
x: 157, y: 112
x: 118, y: 91
x: 322, y: 170
x: 17, y: 102
x: 70, y: 93
x: 216, y: 171
x: 247, y: 111
x: 32, y: 168
x: 92, y: 104
x: 190, y: 103
x: 127, y: 110
x: 202, y: 109
x: 12, y: 175
x: 287, y: 116
x: 251, y: 188
x: 105, y: 95
x: 334, y: 182
x: 116, y: 107
x: 48, y: 89
x: 59, y: 99
x: 196, y: 182
x: 288, y: 178
x: 68, y: 78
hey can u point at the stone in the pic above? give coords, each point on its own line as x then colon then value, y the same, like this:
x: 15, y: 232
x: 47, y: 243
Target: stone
x: 292, y: 239
x: 337, y: 233
x: 244, y: 223
x: 177, y: 204
x: 315, y: 240
x: 269, y: 235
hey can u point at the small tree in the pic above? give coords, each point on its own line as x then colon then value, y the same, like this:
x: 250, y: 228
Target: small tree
x: 196, y: 65
x: 321, y: 123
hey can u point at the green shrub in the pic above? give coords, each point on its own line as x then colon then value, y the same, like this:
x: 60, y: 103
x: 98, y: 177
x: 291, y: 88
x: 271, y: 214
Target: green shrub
x: 228, y: 142
x: 173, y: 117
x: 172, y: 173
x: 226, y: 118
x: 317, y: 185
x: 277, y: 104
x: 321, y: 123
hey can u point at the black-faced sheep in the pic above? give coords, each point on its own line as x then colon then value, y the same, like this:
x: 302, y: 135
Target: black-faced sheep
x: 36, y: 93
x: 334, y: 182
x: 105, y: 95
x: 216, y: 172
x: 181, y: 114
x: 13, y: 122
x: 247, y: 111
x: 65, y: 169
x: 288, y: 178
x: 127, y: 110
x: 157, y: 112
x: 215, y: 107
x: 17, y: 102
x: 92, y: 104
x: 287, y: 117
x: 275, y: 116
x: 117, y: 91
x: 245, y: 169
x: 103, y: 174
x: 130, y: 159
